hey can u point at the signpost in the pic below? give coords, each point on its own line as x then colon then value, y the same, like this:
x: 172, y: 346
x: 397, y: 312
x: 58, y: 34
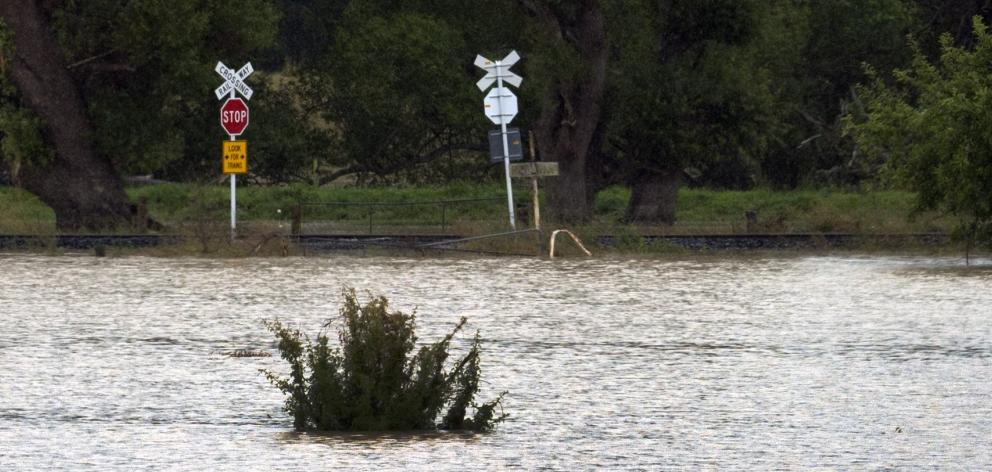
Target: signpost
x: 234, y: 119
x: 501, y: 107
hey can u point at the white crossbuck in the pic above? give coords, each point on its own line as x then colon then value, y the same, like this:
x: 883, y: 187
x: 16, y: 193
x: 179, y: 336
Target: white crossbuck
x: 498, y: 70
x: 234, y: 81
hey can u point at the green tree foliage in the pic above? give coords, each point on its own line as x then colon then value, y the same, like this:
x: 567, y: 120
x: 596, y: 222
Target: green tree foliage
x: 836, y: 37
x: 306, y: 31
x: 931, y: 130
x: 730, y: 93
x: 145, y: 69
x: 371, y: 382
x: 396, y: 85
x: 395, y: 92
x: 690, y: 92
x: 679, y: 77
x: 21, y: 138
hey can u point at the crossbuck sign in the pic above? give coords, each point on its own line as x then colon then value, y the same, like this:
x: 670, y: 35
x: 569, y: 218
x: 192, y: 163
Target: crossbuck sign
x: 234, y: 81
x: 498, y: 70
x: 234, y: 119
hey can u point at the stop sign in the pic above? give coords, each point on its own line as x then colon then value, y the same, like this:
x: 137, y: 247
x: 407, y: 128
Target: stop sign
x: 234, y: 116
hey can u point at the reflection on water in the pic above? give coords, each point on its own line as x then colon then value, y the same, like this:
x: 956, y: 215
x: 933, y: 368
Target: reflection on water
x: 708, y: 363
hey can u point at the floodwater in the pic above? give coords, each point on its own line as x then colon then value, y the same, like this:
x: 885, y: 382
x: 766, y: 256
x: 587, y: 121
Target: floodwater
x: 803, y: 362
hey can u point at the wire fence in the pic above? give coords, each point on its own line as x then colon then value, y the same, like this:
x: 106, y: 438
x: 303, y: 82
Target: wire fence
x: 394, y: 218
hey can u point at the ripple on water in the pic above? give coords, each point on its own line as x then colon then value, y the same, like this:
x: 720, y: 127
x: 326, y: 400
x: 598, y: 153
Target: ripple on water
x: 712, y: 363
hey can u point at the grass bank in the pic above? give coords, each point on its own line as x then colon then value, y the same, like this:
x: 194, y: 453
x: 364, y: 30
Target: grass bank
x: 702, y: 211
x: 476, y: 209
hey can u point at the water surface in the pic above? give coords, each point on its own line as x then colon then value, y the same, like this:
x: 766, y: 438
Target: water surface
x: 695, y: 363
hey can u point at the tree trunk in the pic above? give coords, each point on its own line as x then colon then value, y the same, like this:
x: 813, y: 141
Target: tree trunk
x: 654, y: 198
x: 567, y: 128
x: 82, y: 188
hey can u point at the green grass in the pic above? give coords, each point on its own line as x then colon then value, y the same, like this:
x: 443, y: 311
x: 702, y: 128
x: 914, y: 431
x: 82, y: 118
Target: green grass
x: 270, y: 208
x: 22, y: 213
x: 809, y: 211
x: 263, y: 202
x: 700, y: 211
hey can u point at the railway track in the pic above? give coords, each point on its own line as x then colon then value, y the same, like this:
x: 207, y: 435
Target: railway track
x: 330, y: 243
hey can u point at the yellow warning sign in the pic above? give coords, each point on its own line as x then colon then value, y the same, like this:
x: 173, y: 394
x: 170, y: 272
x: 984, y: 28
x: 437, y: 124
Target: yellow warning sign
x: 235, y: 157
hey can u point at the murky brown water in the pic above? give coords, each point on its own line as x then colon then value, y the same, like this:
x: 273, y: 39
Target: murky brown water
x: 740, y: 364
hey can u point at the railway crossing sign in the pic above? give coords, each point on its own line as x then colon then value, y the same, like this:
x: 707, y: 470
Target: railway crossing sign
x: 234, y: 81
x: 498, y: 70
x: 500, y: 106
x: 234, y: 112
x: 234, y: 120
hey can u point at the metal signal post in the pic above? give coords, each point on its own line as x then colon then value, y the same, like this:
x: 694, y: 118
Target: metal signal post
x: 501, y: 107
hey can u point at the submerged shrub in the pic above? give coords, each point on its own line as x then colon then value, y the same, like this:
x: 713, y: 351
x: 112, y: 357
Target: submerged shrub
x: 371, y: 382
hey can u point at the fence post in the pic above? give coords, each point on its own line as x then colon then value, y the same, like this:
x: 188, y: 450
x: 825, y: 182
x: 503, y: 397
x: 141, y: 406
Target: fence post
x: 370, y: 219
x: 444, y: 216
x: 297, y: 219
x: 751, y: 217
x: 141, y: 216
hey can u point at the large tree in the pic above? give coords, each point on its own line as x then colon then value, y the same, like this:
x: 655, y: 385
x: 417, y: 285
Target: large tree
x: 690, y: 93
x: 82, y: 188
x: 92, y: 88
x: 569, y: 63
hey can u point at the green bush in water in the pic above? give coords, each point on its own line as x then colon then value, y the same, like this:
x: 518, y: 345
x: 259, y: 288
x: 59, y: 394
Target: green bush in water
x: 370, y: 382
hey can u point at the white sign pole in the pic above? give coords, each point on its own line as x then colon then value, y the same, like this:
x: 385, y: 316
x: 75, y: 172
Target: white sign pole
x: 234, y: 196
x: 506, y: 149
x: 506, y: 109
x: 233, y: 83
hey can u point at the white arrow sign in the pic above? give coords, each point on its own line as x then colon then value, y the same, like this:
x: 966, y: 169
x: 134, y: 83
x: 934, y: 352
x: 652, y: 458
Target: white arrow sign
x: 498, y: 70
x: 234, y: 81
x: 501, y: 105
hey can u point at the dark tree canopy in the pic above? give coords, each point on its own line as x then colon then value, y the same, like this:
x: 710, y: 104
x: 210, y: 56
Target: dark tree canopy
x: 107, y: 86
x: 690, y: 96
x: 653, y: 95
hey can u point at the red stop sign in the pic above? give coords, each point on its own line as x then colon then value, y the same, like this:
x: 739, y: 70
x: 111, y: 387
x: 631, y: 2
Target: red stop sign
x: 234, y: 116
